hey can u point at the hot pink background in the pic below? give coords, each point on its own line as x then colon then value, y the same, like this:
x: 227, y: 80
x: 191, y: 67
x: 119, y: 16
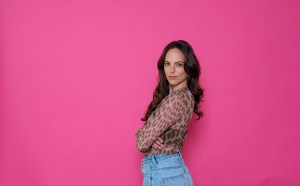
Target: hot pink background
x: 76, y: 77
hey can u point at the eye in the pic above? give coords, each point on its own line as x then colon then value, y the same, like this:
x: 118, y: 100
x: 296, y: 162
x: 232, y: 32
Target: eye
x: 179, y: 65
x: 166, y: 64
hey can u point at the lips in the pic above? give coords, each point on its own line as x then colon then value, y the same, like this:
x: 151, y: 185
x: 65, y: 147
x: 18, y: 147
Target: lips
x: 172, y: 77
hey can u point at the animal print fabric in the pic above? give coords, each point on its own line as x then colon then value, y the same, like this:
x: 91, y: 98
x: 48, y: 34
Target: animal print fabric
x: 169, y: 121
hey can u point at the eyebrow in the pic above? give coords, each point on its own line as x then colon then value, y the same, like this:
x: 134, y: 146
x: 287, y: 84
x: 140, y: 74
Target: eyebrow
x: 175, y: 61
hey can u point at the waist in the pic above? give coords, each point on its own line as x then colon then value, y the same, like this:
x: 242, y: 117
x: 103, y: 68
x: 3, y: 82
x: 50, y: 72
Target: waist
x: 168, y: 149
x: 156, y: 158
x: 162, y: 162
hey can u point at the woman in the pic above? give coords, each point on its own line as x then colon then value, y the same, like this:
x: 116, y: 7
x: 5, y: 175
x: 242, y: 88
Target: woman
x: 175, y: 99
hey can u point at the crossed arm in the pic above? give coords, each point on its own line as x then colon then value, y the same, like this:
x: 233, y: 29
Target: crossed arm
x: 161, y: 119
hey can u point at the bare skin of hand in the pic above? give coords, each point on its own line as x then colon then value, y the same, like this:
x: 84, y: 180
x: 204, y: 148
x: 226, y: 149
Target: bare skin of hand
x: 158, y: 144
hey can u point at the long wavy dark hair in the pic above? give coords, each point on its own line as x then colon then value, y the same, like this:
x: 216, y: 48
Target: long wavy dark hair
x: 191, y: 67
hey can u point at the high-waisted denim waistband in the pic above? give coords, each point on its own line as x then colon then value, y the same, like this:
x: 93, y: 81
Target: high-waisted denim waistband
x: 159, y: 157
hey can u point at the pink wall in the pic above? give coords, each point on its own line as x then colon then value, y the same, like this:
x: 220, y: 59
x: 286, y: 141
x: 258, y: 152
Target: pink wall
x: 76, y: 77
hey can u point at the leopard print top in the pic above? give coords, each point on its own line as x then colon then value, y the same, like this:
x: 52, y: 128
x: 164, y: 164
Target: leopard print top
x: 169, y: 121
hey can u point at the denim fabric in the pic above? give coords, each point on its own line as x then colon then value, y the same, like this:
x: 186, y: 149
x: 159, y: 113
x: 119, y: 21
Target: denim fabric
x: 165, y: 170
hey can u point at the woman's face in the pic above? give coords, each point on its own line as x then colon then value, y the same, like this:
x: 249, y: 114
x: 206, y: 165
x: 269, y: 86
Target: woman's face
x: 174, y: 69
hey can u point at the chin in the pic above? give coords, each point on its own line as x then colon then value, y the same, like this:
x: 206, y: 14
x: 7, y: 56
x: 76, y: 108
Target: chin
x: 173, y: 84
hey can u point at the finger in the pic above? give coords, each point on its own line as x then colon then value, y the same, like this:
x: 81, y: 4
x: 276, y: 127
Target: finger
x: 159, y: 144
x: 155, y: 146
x: 160, y: 139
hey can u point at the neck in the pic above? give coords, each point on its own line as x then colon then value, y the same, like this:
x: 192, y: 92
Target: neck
x: 177, y: 87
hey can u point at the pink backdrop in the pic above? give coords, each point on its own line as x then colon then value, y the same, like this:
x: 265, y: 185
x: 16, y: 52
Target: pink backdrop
x: 76, y: 77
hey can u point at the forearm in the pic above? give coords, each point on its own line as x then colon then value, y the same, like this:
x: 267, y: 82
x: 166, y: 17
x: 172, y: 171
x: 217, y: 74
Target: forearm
x: 145, y: 137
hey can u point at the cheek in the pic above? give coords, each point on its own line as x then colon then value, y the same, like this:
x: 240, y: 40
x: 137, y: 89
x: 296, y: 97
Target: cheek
x: 182, y: 73
x: 165, y: 71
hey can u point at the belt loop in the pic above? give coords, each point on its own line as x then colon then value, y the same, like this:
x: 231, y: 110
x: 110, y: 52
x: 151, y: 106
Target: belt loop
x: 153, y: 158
x: 180, y: 154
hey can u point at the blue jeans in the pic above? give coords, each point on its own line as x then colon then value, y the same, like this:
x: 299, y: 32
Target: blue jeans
x: 161, y: 169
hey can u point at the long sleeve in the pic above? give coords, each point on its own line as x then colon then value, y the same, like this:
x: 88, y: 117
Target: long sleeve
x: 171, y: 109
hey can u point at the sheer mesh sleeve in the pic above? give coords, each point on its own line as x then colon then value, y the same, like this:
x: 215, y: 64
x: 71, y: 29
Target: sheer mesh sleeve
x: 167, y: 113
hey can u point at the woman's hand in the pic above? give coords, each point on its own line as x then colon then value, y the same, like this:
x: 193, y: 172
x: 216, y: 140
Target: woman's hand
x: 158, y: 144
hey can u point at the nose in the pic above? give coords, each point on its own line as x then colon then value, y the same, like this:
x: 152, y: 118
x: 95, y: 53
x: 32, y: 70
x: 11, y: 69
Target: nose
x: 172, y: 68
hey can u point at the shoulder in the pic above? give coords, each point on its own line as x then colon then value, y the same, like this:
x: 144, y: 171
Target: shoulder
x: 180, y: 96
